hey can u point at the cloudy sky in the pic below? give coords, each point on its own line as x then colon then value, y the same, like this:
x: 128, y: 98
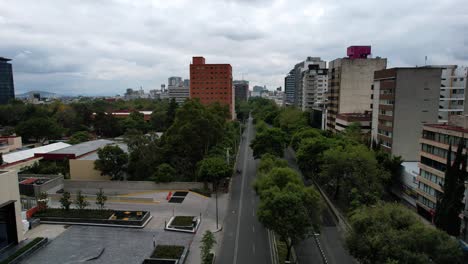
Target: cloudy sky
x: 102, y: 47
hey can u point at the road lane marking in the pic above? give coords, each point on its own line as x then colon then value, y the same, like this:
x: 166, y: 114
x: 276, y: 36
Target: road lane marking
x: 253, y: 229
x: 253, y: 248
x: 244, y: 168
x: 253, y: 212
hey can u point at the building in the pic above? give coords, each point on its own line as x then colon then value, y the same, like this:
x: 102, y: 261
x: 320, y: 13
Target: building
x: 126, y: 113
x: 82, y: 168
x: 7, y: 88
x: 175, y: 81
x: 186, y: 82
x: 131, y: 94
x: 452, y: 91
x: 343, y: 121
x: 212, y: 83
x: 23, y: 158
x: 349, y: 83
x: 11, y: 225
x: 10, y: 143
x: 179, y: 93
x: 241, y: 89
x: 299, y: 70
x: 314, y: 85
x: 404, y: 99
x: 289, y: 87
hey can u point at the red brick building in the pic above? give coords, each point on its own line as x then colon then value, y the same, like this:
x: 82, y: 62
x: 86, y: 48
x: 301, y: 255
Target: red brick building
x: 211, y: 83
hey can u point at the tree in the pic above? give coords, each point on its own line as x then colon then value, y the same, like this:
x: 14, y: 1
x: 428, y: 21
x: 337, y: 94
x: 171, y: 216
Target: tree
x: 268, y: 162
x: 284, y: 213
x: 390, y: 233
x: 106, y: 125
x: 101, y: 199
x: 450, y: 201
x: 213, y: 169
x: 40, y: 129
x: 277, y: 177
x: 112, y: 161
x: 42, y: 201
x: 164, y: 173
x: 80, y: 201
x: 354, y: 132
x: 303, y: 134
x: 134, y: 121
x: 351, y: 173
x: 171, y: 112
x: 271, y: 141
x: 291, y: 120
x: 208, y: 241
x: 79, y: 137
x: 159, y: 121
x: 310, y: 153
x: 242, y: 110
x: 65, y: 201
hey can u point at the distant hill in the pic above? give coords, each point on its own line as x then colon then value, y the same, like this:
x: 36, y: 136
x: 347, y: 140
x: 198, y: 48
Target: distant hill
x: 42, y: 94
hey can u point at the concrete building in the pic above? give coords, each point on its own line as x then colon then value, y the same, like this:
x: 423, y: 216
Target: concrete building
x: 179, y: 93
x: 343, y: 121
x: 82, y: 168
x: 11, y: 225
x: 212, y: 83
x: 404, y: 99
x: 241, y: 89
x: 10, y: 143
x: 7, y: 88
x: 175, y: 81
x: 299, y: 70
x: 349, y: 83
x: 314, y: 85
x: 289, y: 87
x: 452, y: 91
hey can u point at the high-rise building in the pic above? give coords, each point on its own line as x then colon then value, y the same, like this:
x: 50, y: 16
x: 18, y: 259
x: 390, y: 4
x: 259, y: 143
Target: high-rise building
x: 452, y: 91
x: 7, y: 88
x: 241, y: 90
x: 179, y: 93
x: 212, y: 83
x: 435, y: 142
x: 404, y: 99
x: 314, y: 84
x: 186, y: 82
x: 299, y: 69
x: 349, y: 83
x: 289, y: 87
x: 174, y: 81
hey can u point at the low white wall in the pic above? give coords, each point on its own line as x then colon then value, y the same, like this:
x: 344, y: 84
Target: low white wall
x: 124, y: 187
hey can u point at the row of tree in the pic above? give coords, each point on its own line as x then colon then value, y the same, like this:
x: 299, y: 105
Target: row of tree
x: 358, y: 178
x: 286, y: 207
x: 199, y: 134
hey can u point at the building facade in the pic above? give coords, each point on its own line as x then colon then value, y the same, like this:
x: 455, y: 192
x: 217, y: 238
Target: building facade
x: 452, y: 91
x: 7, y: 88
x: 212, y: 83
x: 175, y: 81
x: 404, y: 99
x: 241, y: 89
x: 314, y: 85
x: 289, y: 88
x: 343, y: 121
x: 11, y: 225
x: 349, y: 84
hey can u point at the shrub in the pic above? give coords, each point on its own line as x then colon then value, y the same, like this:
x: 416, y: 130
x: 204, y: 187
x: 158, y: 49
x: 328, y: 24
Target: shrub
x: 168, y: 252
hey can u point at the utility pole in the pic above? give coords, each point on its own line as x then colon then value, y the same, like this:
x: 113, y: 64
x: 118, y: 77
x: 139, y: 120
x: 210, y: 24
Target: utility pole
x: 216, y: 193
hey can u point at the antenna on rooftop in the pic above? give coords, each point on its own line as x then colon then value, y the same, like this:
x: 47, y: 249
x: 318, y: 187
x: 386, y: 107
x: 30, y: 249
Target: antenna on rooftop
x: 425, y: 60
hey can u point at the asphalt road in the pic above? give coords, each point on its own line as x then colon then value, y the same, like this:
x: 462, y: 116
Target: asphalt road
x: 245, y: 240
x: 330, y: 238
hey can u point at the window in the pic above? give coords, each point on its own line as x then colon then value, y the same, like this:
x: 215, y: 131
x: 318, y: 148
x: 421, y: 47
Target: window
x: 432, y: 177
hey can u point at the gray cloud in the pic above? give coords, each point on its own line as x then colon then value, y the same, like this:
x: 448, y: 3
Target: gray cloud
x: 104, y: 47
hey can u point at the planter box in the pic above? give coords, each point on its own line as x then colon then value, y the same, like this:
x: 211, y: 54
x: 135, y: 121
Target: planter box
x: 181, y: 260
x: 29, y: 252
x: 186, y: 229
x: 99, y: 222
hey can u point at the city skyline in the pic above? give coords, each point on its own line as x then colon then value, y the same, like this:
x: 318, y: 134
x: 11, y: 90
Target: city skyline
x: 63, y: 47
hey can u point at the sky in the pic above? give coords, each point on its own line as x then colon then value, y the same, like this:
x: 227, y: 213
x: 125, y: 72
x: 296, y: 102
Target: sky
x: 102, y: 47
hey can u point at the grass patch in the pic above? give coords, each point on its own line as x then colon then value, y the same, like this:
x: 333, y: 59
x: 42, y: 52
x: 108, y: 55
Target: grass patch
x: 183, y: 221
x: 204, y: 192
x: 168, y: 252
x: 282, y: 250
x: 22, y: 250
x: 76, y: 213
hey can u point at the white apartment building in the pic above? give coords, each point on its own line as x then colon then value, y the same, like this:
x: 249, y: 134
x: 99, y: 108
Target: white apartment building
x: 452, y: 91
x: 314, y: 85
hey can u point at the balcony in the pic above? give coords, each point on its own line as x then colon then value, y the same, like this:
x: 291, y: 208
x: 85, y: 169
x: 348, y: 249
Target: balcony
x: 385, y: 128
x: 386, y: 118
x: 385, y: 107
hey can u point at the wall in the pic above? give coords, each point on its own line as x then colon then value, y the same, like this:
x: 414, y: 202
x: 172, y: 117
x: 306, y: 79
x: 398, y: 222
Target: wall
x: 9, y: 190
x: 125, y: 187
x: 416, y: 103
x: 357, y: 77
x: 83, y: 170
x: 54, y: 181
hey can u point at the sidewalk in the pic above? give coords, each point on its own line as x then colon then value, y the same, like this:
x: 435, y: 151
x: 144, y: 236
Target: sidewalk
x: 209, y: 223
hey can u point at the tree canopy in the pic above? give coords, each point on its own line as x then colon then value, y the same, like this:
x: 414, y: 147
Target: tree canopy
x: 271, y: 141
x: 112, y: 161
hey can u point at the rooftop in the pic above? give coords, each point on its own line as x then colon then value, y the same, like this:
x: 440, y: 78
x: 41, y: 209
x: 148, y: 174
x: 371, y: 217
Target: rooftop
x: 94, y: 155
x: 448, y: 127
x: 81, y: 149
x: 30, y: 153
x: 4, y: 59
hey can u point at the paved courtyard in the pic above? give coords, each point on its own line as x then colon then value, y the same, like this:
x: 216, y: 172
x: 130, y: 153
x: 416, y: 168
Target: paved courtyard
x: 79, y: 243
